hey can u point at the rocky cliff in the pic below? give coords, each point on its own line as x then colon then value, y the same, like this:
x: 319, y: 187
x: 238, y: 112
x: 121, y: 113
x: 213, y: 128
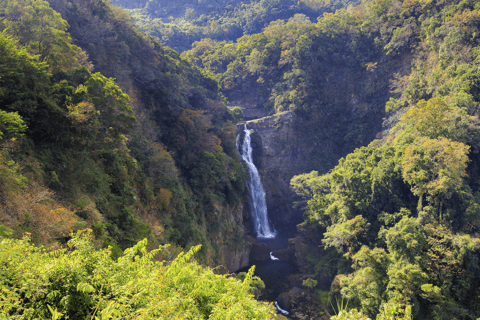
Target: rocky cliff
x: 236, y: 254
x: 279, y: 153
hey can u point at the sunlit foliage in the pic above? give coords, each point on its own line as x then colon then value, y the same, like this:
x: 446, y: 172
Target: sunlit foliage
x: 82, y: 281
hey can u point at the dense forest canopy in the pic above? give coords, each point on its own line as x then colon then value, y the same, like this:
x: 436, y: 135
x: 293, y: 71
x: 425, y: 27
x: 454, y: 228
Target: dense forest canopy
x: 402, y: 212
x: 319, y: 71
x: 178, y: 24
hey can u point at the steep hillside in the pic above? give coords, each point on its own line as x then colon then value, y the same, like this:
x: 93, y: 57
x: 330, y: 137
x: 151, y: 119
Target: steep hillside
x: 149, y: 154
x: 400, y: 217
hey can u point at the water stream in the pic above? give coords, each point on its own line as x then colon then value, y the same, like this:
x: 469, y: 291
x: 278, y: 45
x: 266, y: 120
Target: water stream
x: 273, y: 272
x: 263, y: 227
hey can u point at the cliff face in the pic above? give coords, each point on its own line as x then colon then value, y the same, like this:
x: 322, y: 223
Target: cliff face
x: 236, y: 253
x: 279, y: 154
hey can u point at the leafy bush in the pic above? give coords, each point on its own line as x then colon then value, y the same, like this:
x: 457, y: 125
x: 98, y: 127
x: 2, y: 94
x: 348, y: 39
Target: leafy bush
x: 80, y: 281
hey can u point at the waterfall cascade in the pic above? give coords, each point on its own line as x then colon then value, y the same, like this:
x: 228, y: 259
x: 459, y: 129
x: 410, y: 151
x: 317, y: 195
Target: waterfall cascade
x: 263, y: 228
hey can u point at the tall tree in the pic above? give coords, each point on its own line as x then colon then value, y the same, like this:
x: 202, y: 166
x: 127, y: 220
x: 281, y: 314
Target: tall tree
x: 435, y: 167
x: 41, y: 30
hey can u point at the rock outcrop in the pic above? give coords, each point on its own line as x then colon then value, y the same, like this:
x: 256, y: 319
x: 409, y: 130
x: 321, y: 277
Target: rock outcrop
x: 236, y: 259
x: 260, y: 252
x: 237, y: 255
x: 279, y: 154
x: 301, y: 304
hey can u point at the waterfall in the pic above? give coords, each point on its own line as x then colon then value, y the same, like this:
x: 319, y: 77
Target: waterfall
x: 263, y: 228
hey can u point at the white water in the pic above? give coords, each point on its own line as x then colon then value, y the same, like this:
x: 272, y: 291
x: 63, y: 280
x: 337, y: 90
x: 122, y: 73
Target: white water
x: 263, y: 228
x: 273, y: 257
x: 284, y: 312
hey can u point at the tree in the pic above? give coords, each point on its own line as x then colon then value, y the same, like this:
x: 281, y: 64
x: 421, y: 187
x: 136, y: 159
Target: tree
x: 11, y: 125
x: 436, y: 118
x: 41, y: 30
x: 435, y: 167
x: 347, y: 235
x: 394, y: 275
x: 26, y: 89
x: 367, y: 286
x: 112, y: 104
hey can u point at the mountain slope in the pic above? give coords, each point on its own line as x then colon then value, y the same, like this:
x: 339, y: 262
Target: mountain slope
x: 150, y: 153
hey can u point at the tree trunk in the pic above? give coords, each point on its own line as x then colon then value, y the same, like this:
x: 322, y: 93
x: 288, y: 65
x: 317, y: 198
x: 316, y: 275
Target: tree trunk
x: 420, y: 204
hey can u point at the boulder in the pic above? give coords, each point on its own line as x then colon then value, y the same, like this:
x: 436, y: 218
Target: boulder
x: 284, y: 301
x: 295, y: 293
x: 287, y: 254
x: 260, y: 252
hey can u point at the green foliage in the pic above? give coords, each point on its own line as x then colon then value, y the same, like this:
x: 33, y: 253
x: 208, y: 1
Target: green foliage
x: 5, y: 231
x: 81, y: 281
x: 353, y: 314
x: 41, y: 30
x: 26, y: 87
x: 404, y: 264
x: 237, y: 114
x: 436, y: 167
x: 395, y: 267
x: 365, y: 184
x: 180, y: 24
x: 299, y: 66
x: 11, y: 125
x: 256, y: 284
x: 346, y: 234
x: 120, y: 137
x: 411, y: 188
x: 171, y: 172
x: 110, y: 102
x: 390, y: 311
x: 310, y: 283
x: 435, y: 118
x: 10, y: 177
x: 30, y: 96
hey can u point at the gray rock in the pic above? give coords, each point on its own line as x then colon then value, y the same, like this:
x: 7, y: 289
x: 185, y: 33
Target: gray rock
x: 284, y: 301
x: 260, y: 252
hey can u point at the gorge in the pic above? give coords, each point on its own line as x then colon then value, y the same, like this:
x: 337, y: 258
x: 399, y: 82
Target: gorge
x: 338, y: 153
x: 274, y: 254
x: 273, y: 272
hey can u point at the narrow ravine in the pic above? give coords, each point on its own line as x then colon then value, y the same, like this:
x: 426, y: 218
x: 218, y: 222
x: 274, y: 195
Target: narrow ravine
x: 274, y: 272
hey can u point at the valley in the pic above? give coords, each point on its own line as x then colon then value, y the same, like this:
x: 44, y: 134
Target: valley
x: 230, y: 160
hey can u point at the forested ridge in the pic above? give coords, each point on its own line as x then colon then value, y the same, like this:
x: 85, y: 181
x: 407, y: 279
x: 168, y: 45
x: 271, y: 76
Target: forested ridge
x: 178, y: 24
x: 108, y: 138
